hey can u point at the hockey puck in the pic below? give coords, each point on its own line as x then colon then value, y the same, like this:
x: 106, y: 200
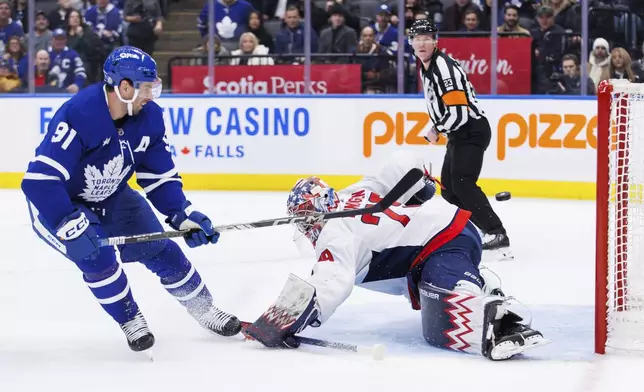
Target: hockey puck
x: 503, y: 196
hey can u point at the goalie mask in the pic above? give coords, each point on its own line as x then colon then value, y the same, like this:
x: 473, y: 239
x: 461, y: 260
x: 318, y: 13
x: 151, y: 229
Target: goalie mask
x: 308, y: 196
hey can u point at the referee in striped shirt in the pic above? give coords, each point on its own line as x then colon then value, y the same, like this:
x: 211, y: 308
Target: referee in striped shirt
x: 456, y: 113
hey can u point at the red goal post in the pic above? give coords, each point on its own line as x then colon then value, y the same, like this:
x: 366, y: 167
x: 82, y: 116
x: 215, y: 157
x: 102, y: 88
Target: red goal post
x: 619, y: 291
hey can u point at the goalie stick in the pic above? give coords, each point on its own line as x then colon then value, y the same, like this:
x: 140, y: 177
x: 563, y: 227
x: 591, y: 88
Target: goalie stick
x: 408, y: 180
x: 377, y: 351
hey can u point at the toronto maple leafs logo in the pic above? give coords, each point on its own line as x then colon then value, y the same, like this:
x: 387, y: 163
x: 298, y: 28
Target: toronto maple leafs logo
x: 226, y: 28
x: 100, y: 185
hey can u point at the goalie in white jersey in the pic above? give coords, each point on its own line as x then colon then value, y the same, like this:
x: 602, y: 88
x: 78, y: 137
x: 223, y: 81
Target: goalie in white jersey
x: 426, y: 251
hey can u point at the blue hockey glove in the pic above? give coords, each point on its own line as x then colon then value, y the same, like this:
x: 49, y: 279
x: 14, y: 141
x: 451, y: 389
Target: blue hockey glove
x: 78, y: 236
x: 191, y: 219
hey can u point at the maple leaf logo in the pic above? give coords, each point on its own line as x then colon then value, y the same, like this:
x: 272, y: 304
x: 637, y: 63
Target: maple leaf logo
x: 99, y: 185
x: 226, y: 28
x: 185, y: 151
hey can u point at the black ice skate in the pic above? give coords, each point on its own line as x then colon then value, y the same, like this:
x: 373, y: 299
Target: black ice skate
x: 512, y: 338
x: 495, y: 241
x: 498, y: 244
x: 138, y: 335
x: 218, y: 321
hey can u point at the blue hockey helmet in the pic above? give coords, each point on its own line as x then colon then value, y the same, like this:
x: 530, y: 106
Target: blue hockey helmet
x: 308, y: 196
x: 137, y: 67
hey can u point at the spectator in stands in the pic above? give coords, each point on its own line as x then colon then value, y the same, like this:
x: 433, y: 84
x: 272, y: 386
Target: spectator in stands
x: 511, y: 21
x: 547, y: 49
x: 202, y: 53
x: 273, y: 9
x: 599, y: 61
x: 348, y: 8
x: 421, y: 14
x: 42, y: 34
x: 9, y: 80
x: 565, y: 15
x: 231, y: 18
x: 621, y: 66
x: 569, y: 83
x: 8, y: 28
x: 411, y: 8
x: 20, y: 15
x: 106, y: 21
x: 386, y: 34
x: 145, y: 23
x: 640, y: 63
x: 82, y: 39
x: 66, y: 64
x: 454, y: 15
x: 57, y: 16
x: 14, y: 52
x: 42, y: 77
x: 319, y: 16
x: 337, y: 38
x: 471, y: 20
x: 256, y: 26
x: 290, y: 39
x: 527, y: 12
x: 249, y: 45
x: 377, y: 76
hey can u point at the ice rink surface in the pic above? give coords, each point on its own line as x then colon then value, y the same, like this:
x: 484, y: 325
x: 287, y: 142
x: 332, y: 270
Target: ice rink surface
x: 55, y: 337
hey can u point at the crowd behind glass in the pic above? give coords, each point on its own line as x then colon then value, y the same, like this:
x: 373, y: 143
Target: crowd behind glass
x: 71, y: 38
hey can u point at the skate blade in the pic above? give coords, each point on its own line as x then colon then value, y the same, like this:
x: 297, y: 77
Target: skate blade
x: 506, y: 351
x: 147, y: 354
x: 501, y: 254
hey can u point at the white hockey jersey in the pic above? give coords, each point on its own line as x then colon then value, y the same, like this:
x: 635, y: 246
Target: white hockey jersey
x: 377, y: 251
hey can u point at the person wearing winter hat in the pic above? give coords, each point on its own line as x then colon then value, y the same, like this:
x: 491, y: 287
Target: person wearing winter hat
x: 599, y: 61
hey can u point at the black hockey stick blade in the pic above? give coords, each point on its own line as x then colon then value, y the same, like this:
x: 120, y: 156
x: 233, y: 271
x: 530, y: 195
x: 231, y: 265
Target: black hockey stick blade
x: 376, y: 351
x: 405, y: 184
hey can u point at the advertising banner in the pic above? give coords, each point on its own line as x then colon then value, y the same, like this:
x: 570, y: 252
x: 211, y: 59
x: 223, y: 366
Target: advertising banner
x: 268, y: 79
x: 538, y: 147
x: 513, y: 66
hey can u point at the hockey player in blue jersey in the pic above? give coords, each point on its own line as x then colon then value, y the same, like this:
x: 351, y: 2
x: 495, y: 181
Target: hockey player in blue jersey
x: 77, y: 192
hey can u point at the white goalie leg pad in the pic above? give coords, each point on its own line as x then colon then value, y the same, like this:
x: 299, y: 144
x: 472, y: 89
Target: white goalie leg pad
x: 461, y: 319
x: 295, y: 297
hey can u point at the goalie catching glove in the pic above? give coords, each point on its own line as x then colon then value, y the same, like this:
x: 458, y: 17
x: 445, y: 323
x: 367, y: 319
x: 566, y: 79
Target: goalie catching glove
x: 295, y: 309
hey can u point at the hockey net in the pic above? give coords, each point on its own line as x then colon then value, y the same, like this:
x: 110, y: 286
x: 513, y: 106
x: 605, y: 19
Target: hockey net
x: 619, y: 302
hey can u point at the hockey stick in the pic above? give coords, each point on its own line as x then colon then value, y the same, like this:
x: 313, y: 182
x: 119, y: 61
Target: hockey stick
x: 377, y: 351
x: 411, y: 178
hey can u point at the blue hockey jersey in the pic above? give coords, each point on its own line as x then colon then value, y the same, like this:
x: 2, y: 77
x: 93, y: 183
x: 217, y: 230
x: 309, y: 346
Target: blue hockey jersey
x: 388, y: 38
x: 68, y: 67
x: 85, y: 159
x: 10, y: 30
x: 106, y: 19
x: 230, y: 20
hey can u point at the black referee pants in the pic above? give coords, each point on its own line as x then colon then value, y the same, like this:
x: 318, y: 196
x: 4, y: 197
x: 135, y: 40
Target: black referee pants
x: 461, y: 169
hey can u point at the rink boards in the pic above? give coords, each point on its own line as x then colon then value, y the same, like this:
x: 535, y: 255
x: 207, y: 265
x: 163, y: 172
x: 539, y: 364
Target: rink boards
x: 540, y: 147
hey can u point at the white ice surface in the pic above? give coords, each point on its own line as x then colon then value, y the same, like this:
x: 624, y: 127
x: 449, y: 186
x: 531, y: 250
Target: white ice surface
x: 55, y: 337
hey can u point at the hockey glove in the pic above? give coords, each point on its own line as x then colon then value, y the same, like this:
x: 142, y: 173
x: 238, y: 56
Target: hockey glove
x: 295, y: 309
x: 190, y: 219
x: 78, y: 236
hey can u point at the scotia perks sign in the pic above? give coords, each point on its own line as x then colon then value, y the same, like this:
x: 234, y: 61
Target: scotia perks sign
x: 474, y: 55
x: 268, y: 79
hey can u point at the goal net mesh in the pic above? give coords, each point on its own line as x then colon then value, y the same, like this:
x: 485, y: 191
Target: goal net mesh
x: 625, y: 299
